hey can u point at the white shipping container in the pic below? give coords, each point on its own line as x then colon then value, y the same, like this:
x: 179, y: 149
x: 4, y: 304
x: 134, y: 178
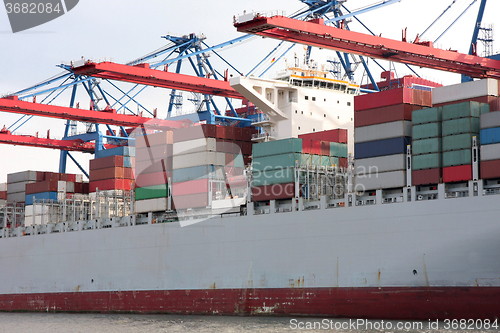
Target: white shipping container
x: 490, y: 119
x: 380, y: 164
x: 382, y: 180
x: 16, y: 197
x: 79, y: 179
x: 194, y: 146
x: 70, y: 187
x: 37, y: 209
x: 3, y: 202
x: 61, y: 186
x: 393, y: 129
x: 18, y: 187
x: 197, y: 159
x: 21, y: 176
x: 36, y: 220
x: 466, y: 90
x: 151, y: 205
x: 3, y: 187
x: 490, y: 152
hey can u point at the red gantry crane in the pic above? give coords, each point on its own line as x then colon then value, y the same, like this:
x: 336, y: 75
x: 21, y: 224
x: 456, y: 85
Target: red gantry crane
x: 423, y: 54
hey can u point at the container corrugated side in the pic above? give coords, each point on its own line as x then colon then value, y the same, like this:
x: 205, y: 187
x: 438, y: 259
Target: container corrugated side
x: 155, y: 139
x: 464, y: 110
x: 110, y: 184
x: 107, y: 173
x: 151, y: 205
x: 426, y: 176
x: 392, y: 97
x: 194, y: 146
x: 120, y: 151
x: 190, y: 187
x: 426, y: 161
x: 488, y: 152
x: 198, y: 172
x: 22, y: 176
x: 150, y: 179
x: 285, y: 146
x: 459, y: 141
x: 16, y: 197
x: 277, y: 161
x: 385, y: 114
x: 457, y: 173
x: 18, y: 187
x: 3, y: 187
x: 197, y: 159
x: 380, y: 164
x: 271, y: 177
x: 106, y: 162
x: 382, y: 180
x: 457, y: 157
x: 489, y: 120
x: 427, y: 115
x: 199, y: 200
x: 334, y: 161
x: 381, y: 147
x: 151, y: 192
x: 462, y: 125
x: 465, y: 90
x: 31, y: 210
x: 40, y: 196
x: 338, y: 149
x: 238, y: 161
x: 490, y: 135
x: 382, y: 131
x: 335, y: 135
x: 490, y: 169
x: 426, y: 131
x: 153, y: 153
x: 426, y: 146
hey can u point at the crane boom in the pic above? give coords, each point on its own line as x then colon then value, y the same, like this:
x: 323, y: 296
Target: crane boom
x: 315, y: 33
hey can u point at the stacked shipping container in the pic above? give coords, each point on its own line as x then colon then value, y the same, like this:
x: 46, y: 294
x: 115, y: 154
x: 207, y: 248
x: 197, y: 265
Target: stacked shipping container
x: 426, y: 146
x: 382, y: 132
x: 333, y: 145
x: 490, y: 145
x: 112, y: 169
x: 153, y: 169
x: 3, y: 194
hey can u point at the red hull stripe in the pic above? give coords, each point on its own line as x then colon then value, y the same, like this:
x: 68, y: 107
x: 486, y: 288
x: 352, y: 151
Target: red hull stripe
x: 380, y: 303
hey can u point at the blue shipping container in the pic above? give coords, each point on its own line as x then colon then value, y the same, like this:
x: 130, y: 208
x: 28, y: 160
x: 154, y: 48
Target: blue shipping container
x: 490, y: 136
x: 40, y: 196
x: 381, y: 147
x: 120, y: 151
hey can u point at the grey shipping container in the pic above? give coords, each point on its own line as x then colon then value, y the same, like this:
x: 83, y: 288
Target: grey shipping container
x: 21, y: 176
x: 457, y: 157
x: 18, y: 187
x: 427, y: 115
x: 16, y: 197
x: 490, y: 120
x: 194, y: 146
x: 459, y: 141
x: 380, y: 164
x: 488, y: 152
x: 425, y: 131
x: 382, y: 180
x: 464, y: 110
x: 462, y: 125
x: 426, y: 161
x: 382, y: 131
x: 151, y: 205
x: 426, y: 146
x: 460, y: 91
x: 197, y: 159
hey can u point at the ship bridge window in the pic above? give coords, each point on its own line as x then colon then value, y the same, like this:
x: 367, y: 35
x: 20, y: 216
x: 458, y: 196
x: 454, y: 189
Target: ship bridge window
x: 316, y: 83
x: 306, y: 98
x: 343, y: 87
x: 336, y: 86
x: 348, y: 103
x: 322, y: 84
x: 351, y: 91
x: 297, y: 83
x: 324, y: 115
x: 329, y: 85
x: 308, y: 83
x: 314, y: 98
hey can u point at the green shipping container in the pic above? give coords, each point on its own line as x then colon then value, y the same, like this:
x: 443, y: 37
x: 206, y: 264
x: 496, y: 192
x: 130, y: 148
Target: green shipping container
x: 285, y: 146
x: 462, y: 125
x: 271, y: 177
x: 238, y: 161
x: 276, y: 161
x: 338, y: 149
x: 305, y: 159
x: 325, y: 161
x: 334, y: 161
x: 343, y: 150
x: 457, y: 157
x: 459, y: 141
x: 426, y: 146
x: 427, y: 115
x: 425, y: 131
x: 151, y: 192
x: 426, y: 161
x: 315, y: 160
x: 464, y: 110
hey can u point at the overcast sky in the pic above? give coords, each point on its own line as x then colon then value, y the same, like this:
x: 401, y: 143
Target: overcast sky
x: 125, y: 30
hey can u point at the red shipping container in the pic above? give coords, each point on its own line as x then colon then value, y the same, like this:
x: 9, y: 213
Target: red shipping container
x: 335, y: 135
x: 71, y: 177
x: 229, y: 160
x: 227, y: 146
x: 220, y: 132
x: 146, y: 167
x: 106, y: 162
x: 238, y: 134
x: 247, y: 160
x: 325, y: 148
x: 190, y: 187
x: 343, y: 162
x: 306, y: 146
x: 80, y: 188
x: 273, y: 192
x: 108, y: 173
x: 230, y: 133
x: 153, y: 140
x: 3, y: 195
x: 195, y: 132
x: 128, y: 173
x: 190, y: 201
x: 457, y: 173
x: 111, y: 184
x: 151, y: 179
x: 392, y: 97
x: 490, y: 169
x: 156, y: 152
x: 316, y: 147
x: 86, y: 188
x: 426, y: 176
x: 493, y: 101
x: 40, y: 187
x: 384, y: 114
x: 247, y: 148
x: 40, y: 176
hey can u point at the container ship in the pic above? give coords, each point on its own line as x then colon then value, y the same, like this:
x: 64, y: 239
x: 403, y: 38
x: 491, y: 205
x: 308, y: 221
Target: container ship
x: 333, y: 203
